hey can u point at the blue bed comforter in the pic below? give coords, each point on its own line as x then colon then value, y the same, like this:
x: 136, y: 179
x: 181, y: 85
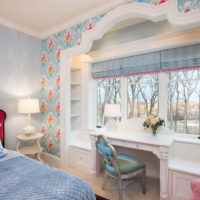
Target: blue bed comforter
x: 22, y: 178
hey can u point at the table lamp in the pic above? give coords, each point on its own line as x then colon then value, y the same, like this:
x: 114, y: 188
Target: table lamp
x: 29, y: 106
x: 111, y: 111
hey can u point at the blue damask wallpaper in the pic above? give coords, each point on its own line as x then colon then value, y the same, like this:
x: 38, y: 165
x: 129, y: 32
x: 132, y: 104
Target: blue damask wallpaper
x: 50, y: 83
x: 186, y: 6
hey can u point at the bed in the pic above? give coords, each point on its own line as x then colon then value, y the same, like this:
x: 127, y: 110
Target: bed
x: 23, y: 178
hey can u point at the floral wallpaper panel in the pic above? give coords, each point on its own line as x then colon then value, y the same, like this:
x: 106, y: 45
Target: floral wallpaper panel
x: 50, y: 61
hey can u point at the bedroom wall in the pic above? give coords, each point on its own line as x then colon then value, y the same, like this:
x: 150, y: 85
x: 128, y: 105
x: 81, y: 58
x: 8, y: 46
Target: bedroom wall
x: 20, y: 72
x: 50, y: 58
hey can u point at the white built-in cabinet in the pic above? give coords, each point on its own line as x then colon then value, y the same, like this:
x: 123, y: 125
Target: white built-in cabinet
x: 76, y: 97
x: 184, y: 166
x: 79, y: 144
x: 180, y: 184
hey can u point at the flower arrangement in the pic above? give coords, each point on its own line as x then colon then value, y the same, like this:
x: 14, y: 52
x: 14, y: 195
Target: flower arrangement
x: 154, y: 122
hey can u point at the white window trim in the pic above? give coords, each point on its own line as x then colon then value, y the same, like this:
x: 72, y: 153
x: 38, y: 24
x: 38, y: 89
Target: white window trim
x: 163, y: 82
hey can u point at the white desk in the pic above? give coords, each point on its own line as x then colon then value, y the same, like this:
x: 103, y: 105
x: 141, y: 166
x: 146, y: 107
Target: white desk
x: 158, y: 145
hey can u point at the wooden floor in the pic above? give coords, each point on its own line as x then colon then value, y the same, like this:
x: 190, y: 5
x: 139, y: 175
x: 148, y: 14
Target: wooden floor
x: 132, y: 191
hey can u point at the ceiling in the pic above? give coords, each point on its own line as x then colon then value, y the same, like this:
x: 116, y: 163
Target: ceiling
x: 41, y: 17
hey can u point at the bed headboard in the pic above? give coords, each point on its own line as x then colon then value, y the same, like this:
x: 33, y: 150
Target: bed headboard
x: 2, y: 118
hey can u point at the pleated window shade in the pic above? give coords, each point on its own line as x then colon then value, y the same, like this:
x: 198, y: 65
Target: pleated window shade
x: 182, y: 58
x: 141, y: 64
x: 107, y: 69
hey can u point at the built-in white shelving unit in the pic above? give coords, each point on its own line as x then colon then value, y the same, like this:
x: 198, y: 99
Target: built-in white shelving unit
x: 76, y: 97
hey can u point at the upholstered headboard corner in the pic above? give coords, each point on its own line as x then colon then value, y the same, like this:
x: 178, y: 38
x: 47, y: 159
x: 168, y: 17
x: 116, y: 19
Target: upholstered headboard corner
x: 2, y: 119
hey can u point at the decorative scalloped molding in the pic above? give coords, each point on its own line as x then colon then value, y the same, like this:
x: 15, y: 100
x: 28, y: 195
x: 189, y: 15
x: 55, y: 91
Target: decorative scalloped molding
x: 167, y: 10
x: 119, y: 14
x: 182, y: 20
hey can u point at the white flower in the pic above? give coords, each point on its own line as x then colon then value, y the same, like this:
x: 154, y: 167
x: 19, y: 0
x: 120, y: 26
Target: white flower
x: 154, y: 121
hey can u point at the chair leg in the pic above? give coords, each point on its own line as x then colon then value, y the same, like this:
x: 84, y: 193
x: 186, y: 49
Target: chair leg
x: 120, y: 188
x: 143, y: 181
x: 104, y: 182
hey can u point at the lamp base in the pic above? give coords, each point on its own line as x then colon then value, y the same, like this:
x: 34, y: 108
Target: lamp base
x: 28, y: 130
x: 111, y: 125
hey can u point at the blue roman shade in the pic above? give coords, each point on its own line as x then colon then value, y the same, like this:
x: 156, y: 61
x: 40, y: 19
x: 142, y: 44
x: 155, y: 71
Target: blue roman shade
x: 181, y: 58
x: 141, y: 64
x: 111, y: 68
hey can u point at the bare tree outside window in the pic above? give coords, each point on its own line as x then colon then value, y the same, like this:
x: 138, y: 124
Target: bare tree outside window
x: 108, y: 91
x: 142, y: 95
x: 184, y: 101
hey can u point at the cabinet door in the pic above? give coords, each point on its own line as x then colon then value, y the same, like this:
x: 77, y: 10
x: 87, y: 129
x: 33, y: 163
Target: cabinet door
x: 181, y: 189
x: 80, y: 159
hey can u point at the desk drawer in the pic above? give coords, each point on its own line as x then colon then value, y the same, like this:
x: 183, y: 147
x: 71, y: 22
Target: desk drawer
x: 117, y: 142
x: 140, y: 146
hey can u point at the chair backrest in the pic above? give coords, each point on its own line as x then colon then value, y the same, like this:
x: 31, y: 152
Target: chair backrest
x: 106, y: 150
x: 2, y: 118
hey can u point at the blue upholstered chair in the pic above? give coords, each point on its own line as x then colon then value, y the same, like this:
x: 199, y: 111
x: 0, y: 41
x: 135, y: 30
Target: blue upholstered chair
x: 121, y: 166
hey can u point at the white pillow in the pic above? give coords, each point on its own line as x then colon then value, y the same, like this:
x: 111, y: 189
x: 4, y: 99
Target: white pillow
x: 3, y: 153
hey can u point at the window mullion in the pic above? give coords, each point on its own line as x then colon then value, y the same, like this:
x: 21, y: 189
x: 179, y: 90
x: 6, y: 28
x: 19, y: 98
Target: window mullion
x: 124, y: 93
x: 163, y: 95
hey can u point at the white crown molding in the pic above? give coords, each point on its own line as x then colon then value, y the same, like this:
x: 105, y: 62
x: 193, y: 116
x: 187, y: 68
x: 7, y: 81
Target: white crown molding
x: 19, y: 28
x: 83, y: 17
x: 167, y: 10
x: 61, y: 27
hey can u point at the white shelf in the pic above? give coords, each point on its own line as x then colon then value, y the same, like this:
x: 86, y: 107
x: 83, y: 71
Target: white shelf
x: 75, y: 83
x: 75, y: 99
x: 75, y: 68
x: 76, y: 115
x: 30, y: 150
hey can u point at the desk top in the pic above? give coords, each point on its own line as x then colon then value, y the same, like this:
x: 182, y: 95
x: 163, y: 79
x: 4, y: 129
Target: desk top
x: 146, y: 138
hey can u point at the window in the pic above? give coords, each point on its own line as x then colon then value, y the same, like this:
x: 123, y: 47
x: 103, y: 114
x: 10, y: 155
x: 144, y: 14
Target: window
x: 108, y: 91
x: 142, y: 95
x: 184, y: 101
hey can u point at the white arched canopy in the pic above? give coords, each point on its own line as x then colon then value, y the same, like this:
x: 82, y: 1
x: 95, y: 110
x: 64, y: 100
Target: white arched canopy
x: 166, y: 10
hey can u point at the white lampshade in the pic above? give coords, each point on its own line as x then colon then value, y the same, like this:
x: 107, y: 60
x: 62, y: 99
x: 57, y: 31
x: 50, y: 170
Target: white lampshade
x: 28, y: 106
x: 112, y: 110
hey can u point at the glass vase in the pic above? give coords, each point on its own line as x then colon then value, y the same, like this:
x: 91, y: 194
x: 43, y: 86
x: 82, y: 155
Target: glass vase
x: 154, y: 130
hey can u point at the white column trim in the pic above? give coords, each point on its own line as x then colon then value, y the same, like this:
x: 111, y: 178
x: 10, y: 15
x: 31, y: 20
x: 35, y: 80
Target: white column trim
x: 163, y: 95
x: 124, y: 102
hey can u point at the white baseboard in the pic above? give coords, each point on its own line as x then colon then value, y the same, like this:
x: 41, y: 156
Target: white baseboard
x: 51, y: 159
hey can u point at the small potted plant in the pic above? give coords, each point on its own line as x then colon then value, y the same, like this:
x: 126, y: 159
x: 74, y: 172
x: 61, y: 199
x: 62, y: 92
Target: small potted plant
x: 153, y: 121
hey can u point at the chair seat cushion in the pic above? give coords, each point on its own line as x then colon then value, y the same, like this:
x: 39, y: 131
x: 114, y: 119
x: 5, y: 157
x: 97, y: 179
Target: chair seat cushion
x: 126, y: 164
